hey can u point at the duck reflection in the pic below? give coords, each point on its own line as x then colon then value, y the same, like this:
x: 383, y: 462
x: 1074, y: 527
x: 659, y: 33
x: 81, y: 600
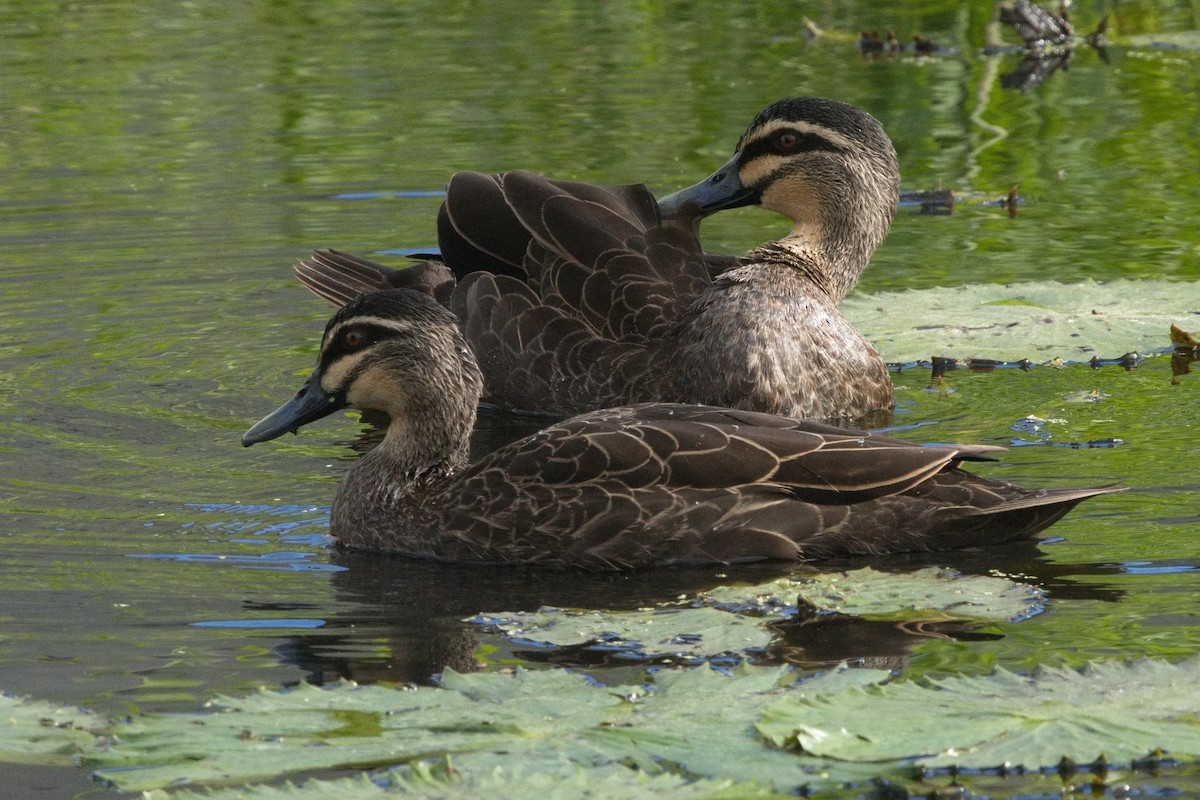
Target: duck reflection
x: 404, y: 621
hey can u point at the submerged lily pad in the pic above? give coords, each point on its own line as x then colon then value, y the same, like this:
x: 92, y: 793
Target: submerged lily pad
x: 1117, y: 711
x: 1038, y: 321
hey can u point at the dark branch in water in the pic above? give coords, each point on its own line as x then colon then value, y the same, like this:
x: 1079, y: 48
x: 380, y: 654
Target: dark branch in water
x: 1185, y: 352
x: 1048, y: 42
x: 1037, y: 26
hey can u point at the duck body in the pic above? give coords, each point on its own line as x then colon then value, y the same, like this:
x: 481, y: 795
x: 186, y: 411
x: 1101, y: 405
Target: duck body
x: 635, y: 486
x: 640, y: 486
x: 759, y: 337
x: 760, y: 327
x: 576, y: 296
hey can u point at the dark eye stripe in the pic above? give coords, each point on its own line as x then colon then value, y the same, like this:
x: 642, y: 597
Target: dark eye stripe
x: 805, y: 142
x: 336, y: 347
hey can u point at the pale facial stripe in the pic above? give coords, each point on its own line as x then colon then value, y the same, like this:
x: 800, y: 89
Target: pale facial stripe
x: 397, y: 325
x: 338, y: 372
x: 762, y: 166
x: 770, y: 128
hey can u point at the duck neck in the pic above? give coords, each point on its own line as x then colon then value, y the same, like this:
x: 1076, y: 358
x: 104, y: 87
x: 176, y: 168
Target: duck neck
x: 802, y: 256
x: 835, y: 231
x: 421, y: 449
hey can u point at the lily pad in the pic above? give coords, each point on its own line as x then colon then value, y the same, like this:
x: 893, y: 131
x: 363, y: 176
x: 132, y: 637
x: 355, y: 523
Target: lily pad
x: 648, y: 633
x: 36, y: 732
x: 1117, y: 711
x: 733, y: 620
x: 1036, y: 321
x: 549, y: 721
x: 442, y: 780
x: 690, y: 733
x: 928, y: 594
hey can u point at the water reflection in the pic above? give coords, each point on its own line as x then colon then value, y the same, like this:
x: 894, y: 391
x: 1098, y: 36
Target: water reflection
x: 1049, y: 42
x: 405, y: 621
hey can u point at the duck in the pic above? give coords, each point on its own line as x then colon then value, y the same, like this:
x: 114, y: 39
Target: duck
x: 636, y: 486
x: 576, y: 296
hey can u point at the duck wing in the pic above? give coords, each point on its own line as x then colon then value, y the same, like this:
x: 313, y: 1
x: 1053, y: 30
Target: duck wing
x: 517, y: 223
x: 670, y: 484
x: 535, y: 356
x: 483, y: 223
x: 601, y: 255
x: 604, y: 287
x: 477, y: 230
x: 954, y: 509
x: 704, y: 447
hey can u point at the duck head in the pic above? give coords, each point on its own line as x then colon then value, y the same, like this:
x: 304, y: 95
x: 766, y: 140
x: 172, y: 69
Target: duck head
x: 826, y: 165
x: 399, y: 353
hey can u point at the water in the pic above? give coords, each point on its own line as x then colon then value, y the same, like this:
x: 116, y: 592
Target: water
x: 162, y: 165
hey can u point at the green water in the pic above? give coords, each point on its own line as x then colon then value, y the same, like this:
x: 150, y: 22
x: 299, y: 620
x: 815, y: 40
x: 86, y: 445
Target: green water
x: 161, y: 165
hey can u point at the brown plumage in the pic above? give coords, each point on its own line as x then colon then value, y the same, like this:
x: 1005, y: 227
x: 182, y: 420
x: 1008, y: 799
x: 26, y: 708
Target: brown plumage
x: 576, y: 296
x: 643, y: 485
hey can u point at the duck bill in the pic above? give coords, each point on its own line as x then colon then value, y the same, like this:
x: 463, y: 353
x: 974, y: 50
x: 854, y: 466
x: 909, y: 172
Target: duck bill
x: 719, y: 191
x: 311, y: 403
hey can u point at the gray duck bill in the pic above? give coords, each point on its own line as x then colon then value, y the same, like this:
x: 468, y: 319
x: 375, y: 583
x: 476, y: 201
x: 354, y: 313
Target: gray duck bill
x: 311, y: 403
x: 721, y: 190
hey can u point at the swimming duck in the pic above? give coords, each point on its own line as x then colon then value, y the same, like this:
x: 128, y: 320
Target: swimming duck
x: 577, y: 297
x: 634, y: 486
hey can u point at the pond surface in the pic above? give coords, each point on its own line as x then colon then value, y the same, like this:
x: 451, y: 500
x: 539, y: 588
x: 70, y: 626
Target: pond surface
x: 163, y: 165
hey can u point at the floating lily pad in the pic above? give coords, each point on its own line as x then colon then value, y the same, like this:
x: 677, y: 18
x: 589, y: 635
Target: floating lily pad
x: 550, y: 721
x: 930, y: 593
x: 649, y: 633
x: 444, y: 781
x: 690, y: 733
x: 1037, y: 321
x: 1117, y: 711
x: 35, y: 732
x: 733, y: 619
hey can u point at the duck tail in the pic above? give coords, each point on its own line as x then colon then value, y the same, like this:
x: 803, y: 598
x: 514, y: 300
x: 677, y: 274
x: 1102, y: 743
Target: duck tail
x: 1023, y: 517
x: 338, y: 277
x: 1053, y: 497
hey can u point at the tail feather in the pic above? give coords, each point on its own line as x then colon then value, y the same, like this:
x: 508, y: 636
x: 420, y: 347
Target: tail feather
x: 1019, y: 518
x: 1049, y: 498
x: 338, y: 277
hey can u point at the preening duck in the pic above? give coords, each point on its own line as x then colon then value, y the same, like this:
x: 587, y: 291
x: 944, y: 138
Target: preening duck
x: 576, y: 297
x: 635, y: 486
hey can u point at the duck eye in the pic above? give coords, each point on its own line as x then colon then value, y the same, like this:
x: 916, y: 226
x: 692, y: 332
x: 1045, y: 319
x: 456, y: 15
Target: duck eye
x: 787, y: 141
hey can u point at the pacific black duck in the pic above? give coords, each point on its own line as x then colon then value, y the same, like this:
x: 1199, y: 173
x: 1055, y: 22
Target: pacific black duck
x: 577, y: 297
x: 641, y: 485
